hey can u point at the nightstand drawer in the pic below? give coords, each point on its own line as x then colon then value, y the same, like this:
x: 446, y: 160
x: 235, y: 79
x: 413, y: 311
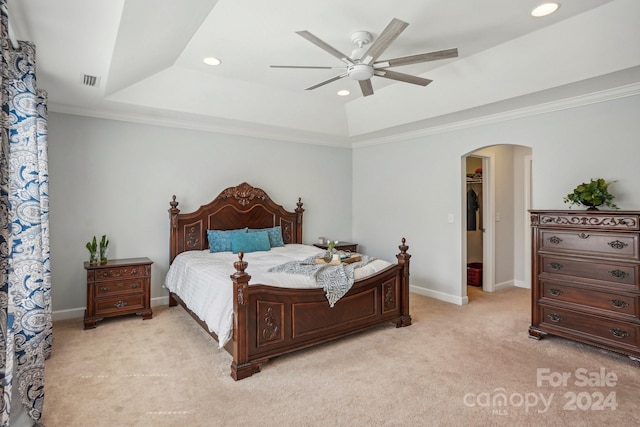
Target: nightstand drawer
x: 122, y: 305
x: 621, y: 275
x: 117, y: 273
x: 618, y: 245
x: 625, y: 305
x: 107, y: 289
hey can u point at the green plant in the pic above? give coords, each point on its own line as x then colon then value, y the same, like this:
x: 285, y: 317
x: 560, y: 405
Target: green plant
x: 92, y: 246
x: 592, y: 194
x: 104, y: 248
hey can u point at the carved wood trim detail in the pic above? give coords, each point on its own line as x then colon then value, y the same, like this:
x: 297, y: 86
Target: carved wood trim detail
x: 243, y: 194
x: 270, y: 323
x: 389, y: 301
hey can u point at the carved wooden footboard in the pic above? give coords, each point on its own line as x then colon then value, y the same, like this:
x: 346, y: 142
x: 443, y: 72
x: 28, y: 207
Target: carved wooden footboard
x: 270, y: 321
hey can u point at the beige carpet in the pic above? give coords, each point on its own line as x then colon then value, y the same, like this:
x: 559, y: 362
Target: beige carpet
x: 444, y: 370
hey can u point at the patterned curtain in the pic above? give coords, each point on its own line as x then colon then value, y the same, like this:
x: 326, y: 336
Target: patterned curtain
x: 25, y: 288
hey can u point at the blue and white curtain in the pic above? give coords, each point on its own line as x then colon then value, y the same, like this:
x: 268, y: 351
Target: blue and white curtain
x: 25, y: 286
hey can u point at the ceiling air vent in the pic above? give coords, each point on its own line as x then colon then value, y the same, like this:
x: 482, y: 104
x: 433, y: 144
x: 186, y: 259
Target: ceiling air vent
x: 92, y: 81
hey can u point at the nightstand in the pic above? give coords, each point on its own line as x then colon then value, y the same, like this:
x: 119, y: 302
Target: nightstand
x: 341, y: 246
x: 116, y: 288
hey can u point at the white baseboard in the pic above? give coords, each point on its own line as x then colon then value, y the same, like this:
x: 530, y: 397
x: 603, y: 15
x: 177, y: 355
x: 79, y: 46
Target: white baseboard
x: 74, y: 313
x: 453, y: 299
x: 504, y: 285
x: 521, y: 284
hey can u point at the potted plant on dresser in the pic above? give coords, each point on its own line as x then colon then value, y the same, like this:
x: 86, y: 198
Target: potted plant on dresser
x: 592, y: 194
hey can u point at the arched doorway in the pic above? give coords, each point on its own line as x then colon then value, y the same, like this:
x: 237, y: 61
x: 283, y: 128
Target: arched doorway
x: 496, y: 239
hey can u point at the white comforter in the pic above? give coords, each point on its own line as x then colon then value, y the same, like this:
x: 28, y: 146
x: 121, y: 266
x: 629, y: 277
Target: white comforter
x: 201, y: 279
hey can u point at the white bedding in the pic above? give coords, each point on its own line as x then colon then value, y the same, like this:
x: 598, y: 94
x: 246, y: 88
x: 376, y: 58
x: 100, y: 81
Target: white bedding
x: 202, y: 280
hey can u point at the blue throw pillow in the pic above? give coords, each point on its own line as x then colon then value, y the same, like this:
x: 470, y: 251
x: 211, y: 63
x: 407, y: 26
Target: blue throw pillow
x: 275, y: 235
x: 220, y: 240
x: 250, y: 242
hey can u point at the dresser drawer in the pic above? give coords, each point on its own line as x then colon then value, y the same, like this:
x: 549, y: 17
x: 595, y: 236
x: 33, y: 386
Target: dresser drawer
x: 624, y: 276
x: 595, y: 328
x: 618, y: 245
x: 122, y: 305
x: 107, y: 289
x: 611, y: 302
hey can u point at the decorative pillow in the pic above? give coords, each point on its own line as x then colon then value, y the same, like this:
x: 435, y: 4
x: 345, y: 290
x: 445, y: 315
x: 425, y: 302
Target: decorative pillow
x: 275, y: 235
x: 250, y: 242
x: 220, y: 240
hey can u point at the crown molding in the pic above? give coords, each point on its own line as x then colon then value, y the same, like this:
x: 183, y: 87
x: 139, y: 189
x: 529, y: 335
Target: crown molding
x: 246, y: 129
x: 543, y: 108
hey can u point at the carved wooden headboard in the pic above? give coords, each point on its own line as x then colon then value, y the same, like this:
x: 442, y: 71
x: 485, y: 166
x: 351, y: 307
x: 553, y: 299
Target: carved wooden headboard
x: 235, y: 207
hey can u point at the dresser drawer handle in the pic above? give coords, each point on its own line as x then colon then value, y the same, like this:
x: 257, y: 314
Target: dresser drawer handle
x: 555, y: 266
x: 619, y: 333
x: 555, y: 292
x: 555, y: 240
x: 104, y: 289
x: 120, y: 304
x: 618, y: 274
x: 135, y: 286
x: 583, y: 235
x: 554, y: 318
x: 618, y: 303
x: 617, y: 244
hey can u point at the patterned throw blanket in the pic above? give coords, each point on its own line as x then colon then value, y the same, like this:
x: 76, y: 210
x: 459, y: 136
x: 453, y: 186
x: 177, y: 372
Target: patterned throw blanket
x: 336, y: 280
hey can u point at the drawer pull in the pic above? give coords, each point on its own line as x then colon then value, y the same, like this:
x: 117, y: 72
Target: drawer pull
x: 104, y: 289
x: 618, y: 303
x: 617, y: 244
x: 619, y: 333
x: 618, y: 274
x: 555, y: 240
x: 555, y: 292
x: 555, y: 266
x: 554, y: 318
x: 583, y: 235
x: 120, y: 304
x: 135, y: 286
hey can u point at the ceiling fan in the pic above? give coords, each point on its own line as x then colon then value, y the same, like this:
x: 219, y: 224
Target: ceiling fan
x: 363, y: 62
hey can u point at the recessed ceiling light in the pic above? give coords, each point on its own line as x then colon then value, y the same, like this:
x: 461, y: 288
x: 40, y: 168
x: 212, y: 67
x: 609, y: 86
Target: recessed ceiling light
x: 545, y: 9
x: 211, y: 61
x: 343, y: 92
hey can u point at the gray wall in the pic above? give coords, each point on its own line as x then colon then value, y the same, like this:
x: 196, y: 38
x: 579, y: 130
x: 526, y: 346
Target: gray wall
x: 408, y: 188
x: 117, y: 178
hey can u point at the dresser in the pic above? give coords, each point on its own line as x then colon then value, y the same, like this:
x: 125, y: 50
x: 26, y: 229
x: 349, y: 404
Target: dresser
x: 118, y: 287
x: 585, y: 278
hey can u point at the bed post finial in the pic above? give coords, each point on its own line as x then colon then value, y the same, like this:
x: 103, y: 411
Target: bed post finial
x: 403, y: 247
x: 240, y: 265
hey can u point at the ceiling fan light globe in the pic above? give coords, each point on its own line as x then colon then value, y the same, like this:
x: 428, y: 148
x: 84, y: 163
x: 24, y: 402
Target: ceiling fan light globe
x: 360, y: 72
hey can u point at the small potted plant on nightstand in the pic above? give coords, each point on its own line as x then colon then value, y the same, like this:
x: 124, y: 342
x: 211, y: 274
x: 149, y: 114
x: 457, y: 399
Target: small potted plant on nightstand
x: 592, y: 194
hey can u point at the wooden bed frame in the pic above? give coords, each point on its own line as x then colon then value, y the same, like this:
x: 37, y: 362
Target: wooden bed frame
x: 270, y: 321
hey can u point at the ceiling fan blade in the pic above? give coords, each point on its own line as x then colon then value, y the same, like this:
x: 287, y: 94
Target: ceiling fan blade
x: 324, y: 46
x: 415, y: 59
x: 333, y: 79
x: 307, y: 66
x: 401, y: 77
x: 366, y: 87
x: 388, y: 35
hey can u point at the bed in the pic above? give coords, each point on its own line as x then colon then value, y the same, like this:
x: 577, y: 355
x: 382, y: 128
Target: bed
x: 268, y: 320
